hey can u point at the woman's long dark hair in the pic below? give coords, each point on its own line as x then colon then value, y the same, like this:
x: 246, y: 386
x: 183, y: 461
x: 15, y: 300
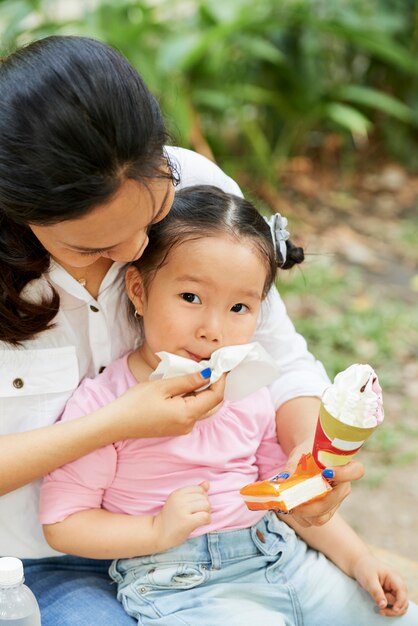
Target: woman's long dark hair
x: 206, y: 211
x: 75, y: 121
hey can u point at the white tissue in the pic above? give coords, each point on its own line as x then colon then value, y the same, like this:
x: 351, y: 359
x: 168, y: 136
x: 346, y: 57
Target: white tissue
x: 250, y: 367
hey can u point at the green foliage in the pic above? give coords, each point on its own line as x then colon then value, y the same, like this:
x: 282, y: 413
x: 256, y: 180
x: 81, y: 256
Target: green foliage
x: 267, y: 73
x: 344, y: 322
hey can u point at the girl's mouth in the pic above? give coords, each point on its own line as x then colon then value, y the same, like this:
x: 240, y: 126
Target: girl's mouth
x: 196, y: 357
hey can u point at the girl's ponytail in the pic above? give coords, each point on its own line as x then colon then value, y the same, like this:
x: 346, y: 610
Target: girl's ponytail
x: 294, y: 256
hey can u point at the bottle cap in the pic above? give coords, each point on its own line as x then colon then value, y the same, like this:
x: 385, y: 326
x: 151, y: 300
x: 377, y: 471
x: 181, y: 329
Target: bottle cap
x: 11, y: 571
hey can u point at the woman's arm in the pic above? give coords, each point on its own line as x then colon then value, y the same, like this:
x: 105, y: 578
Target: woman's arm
x: 151, y: 409
x: 296, y: 423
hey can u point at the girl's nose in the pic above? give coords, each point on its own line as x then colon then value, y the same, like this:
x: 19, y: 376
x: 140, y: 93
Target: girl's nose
x: 211, y: 332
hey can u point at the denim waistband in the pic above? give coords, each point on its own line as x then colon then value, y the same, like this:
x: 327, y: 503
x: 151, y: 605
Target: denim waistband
x: 213, y: 549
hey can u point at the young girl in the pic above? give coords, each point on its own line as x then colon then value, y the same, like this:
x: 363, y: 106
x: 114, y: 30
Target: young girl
x: 168, y: 508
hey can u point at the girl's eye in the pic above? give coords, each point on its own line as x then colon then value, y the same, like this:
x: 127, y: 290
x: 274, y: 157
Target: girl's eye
x: 190, y: 297
x: 239, y: 308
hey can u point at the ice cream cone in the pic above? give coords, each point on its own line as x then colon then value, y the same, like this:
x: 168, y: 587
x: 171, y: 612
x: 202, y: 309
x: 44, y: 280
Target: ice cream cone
x: 336, y: 442
x: 351, y: 409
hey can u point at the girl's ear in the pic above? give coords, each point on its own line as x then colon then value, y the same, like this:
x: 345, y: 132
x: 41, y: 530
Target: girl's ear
x: 135, y: 288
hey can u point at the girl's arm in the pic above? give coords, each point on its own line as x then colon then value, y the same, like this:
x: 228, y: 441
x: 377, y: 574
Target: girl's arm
x: 100, y: 534
x: 151, y: 409
x: 338, y: 541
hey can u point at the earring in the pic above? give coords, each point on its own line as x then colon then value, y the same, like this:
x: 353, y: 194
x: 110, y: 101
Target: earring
x: 137, y: 315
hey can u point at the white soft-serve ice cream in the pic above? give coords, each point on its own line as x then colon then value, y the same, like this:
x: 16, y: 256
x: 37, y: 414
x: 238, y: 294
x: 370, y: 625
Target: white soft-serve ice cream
x: 351, y: 409
x: 355, y: 397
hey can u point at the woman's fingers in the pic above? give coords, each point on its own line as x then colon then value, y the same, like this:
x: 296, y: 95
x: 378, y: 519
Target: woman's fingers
x: 196, y: 404
x: 354, y: 470
x: 199, y: 405
x: 180, y: 385
x: 166, y: 408
x: 320, y: 511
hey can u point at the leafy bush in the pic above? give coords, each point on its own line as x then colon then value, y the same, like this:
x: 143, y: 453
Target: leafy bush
x: 254, y: 82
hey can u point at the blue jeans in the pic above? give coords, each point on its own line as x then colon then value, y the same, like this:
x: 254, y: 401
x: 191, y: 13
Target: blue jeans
x: 75, y: 592
x: 260, y: 575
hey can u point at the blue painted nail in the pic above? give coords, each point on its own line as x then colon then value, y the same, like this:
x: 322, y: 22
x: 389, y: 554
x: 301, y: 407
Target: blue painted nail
x: 328, y: 473
x: 282, y: 475
x: 206, y: 373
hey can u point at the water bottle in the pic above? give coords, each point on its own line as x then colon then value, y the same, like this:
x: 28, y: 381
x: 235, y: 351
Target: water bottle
x: 18, y: 605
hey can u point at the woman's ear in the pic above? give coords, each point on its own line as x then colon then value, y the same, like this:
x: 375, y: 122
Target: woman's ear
x: 135, y: 288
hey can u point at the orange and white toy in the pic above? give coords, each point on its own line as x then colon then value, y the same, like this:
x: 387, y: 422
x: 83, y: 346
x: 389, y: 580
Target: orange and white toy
x: 305, y: 484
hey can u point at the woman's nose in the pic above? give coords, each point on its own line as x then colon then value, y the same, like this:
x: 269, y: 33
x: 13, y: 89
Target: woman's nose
x: 130, y: 251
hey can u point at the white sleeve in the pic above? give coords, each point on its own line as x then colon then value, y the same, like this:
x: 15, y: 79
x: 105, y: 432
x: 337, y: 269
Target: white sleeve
x: 195, y: 169
x: 301, y: 374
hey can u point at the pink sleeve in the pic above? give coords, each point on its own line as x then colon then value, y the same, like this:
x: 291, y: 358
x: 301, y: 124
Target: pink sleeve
x: 79, y: 485
x: 270, y: 458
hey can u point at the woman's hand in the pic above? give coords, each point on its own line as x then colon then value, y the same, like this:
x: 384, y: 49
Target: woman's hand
x: 320, y: 511
x: 164, y: 408
x: 386, y: 586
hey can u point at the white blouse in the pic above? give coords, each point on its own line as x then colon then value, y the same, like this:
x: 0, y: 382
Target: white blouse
x: 37, y: 378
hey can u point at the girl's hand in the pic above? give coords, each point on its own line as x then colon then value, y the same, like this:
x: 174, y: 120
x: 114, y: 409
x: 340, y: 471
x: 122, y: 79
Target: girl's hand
x: 164, y: 408
x: 185, y: 510
x: 320, y: 511
x: 386, y: 586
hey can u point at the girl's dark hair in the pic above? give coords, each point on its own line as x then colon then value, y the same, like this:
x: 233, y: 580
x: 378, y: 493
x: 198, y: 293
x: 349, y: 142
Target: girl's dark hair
x: 76, y: 120
x: 205, y: 211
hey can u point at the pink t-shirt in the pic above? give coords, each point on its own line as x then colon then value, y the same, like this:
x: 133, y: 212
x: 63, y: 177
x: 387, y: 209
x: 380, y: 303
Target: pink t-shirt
x: 231, y: 448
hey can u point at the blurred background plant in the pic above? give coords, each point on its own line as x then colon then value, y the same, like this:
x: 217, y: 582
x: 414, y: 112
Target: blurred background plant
x: 276, y: 76
x: 312, y: 105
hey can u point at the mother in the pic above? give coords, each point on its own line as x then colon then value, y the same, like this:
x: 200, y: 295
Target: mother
x: 83, y: 172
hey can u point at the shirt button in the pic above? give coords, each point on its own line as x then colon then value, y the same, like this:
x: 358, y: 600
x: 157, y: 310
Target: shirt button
x: 18, y: 383
x: 94, y: 308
